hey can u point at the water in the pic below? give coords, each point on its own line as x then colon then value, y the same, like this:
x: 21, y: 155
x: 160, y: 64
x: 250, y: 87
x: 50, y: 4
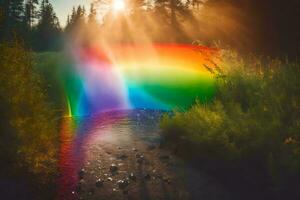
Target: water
x: 130, y: 140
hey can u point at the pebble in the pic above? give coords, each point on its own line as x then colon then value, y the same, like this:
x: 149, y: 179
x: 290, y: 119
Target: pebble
x: 132, y: 177
x: 138, y: 155
x: 166, y: 180
x: 81, y: 173
x: 140, y: 158
x: 134, y: 149
x: 113, y: 168
x: 99, y: 183
x: 109, y: 179
x: 122, y: 184
x: 81, y: 181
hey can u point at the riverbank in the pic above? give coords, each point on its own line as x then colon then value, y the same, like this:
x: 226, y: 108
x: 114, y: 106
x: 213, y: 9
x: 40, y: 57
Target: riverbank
x: 248, y: 136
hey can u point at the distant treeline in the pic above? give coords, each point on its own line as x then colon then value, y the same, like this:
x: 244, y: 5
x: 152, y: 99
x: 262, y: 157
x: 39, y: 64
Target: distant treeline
x: 268, y: 27
x: 33, y: 22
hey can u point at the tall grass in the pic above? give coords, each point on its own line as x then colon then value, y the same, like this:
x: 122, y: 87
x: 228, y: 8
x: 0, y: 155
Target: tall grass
x: 249, y: 135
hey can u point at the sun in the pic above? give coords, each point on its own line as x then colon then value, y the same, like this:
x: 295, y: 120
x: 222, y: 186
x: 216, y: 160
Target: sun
x: 118, y: 5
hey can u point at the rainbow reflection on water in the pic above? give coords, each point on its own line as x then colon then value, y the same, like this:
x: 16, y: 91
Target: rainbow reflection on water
x: 145, y: 79
x: 119, y: 77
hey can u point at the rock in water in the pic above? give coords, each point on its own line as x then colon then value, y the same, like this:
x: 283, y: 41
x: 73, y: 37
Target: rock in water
x: 99, y: 183
x: 113, y: 168
x: 134, y: 149
x: 132, y: 177
x: 122, y: 184
x: 81, y: 173
x: 139, y: 158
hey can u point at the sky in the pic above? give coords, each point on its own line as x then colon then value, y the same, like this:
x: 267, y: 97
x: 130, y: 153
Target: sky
x: 64, y: 7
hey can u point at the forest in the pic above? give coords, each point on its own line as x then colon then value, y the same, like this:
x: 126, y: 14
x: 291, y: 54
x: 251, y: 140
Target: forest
x: 262, y: 26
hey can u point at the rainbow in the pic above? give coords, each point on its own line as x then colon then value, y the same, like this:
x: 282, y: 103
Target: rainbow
x: 118, y: 77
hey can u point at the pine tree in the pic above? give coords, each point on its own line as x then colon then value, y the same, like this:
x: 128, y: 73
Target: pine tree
x: 30, y: 12
x: 12, y: 15
x: 48, y: 28
x: 173, y: 8
x: 92, y: 18
x: 80, y: 16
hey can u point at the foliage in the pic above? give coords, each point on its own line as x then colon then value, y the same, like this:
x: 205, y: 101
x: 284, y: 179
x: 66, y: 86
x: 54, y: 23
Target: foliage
x: 47, y: 29
x: 49, y: 66
x: 250, y: 133
x: 28, y: 138
x: 40, y: 29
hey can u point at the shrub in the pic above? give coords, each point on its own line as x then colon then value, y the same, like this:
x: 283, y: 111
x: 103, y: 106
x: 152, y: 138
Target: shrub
x: 28, y: 136
x: 250, y: 132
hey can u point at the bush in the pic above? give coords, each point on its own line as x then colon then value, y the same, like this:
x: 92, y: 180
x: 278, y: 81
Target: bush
x: 29, y: 136
x: 250, y: 132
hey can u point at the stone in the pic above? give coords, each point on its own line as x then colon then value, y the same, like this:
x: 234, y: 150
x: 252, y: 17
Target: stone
x: 122, y: 184
x: 132, y: 177
x: 140, y: 158
x: 81, y: 173
x: 137, y: 155
x: 109, y: 179
x: 166, y: 179
x: 113, y: 168
x: 134, y: 149
x: 81, y: 181
x: 99, y: 183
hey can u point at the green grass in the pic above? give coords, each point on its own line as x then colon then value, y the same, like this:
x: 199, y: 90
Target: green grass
x: 249, y: 135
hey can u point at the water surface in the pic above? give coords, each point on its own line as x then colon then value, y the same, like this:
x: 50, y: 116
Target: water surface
x: 131, y: 141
